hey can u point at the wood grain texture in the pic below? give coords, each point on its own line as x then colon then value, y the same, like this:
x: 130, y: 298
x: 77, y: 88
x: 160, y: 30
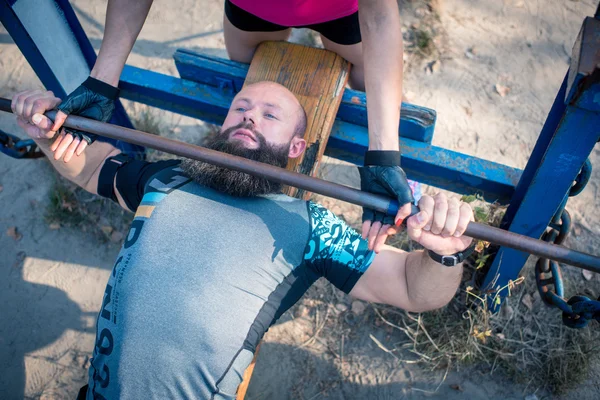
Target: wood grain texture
x: 317, y: 77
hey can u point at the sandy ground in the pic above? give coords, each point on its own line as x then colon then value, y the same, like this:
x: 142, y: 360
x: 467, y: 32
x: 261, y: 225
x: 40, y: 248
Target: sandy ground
x: 51, y: 281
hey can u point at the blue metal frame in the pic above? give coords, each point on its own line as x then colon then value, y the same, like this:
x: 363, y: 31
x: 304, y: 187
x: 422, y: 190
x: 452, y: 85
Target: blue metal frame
x: 119, y: 116
x: 421, y: 161
x: 416, y: 123
x: 568, y: 137
x: 544, y: 139
x: 19, y: 34
x: 32, y: 53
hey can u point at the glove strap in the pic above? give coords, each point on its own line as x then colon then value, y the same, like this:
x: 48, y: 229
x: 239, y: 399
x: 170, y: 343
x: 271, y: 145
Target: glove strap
x: 383, y: 158
x: 102, y: 88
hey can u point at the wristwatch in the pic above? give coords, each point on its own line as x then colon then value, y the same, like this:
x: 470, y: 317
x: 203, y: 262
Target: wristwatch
x: 453, y: 259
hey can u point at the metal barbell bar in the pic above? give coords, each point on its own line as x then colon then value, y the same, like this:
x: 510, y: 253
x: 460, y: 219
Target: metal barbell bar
x: 341, y: 192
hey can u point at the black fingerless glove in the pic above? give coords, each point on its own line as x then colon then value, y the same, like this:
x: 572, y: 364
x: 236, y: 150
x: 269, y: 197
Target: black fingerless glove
x: 382, y: 175
x: 93, y: 99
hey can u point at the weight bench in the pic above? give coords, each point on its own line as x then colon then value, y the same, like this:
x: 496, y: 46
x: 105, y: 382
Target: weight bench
x: 317, y: 77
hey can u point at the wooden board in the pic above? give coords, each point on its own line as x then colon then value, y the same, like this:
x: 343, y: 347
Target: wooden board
x: 317, y: 77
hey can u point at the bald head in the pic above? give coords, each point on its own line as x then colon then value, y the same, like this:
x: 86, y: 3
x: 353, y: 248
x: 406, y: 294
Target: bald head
x: 278, y: 95
x: 267, y: 112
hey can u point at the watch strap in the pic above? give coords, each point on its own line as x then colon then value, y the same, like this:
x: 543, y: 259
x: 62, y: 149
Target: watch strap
x: 452, y: 260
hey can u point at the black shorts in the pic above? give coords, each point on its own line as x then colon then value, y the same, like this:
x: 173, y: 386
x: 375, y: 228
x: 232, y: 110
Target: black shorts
x: 345, y: 30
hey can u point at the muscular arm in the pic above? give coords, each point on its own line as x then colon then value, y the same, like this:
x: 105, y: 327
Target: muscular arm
x: 411, y: 281
x: 124, y: 21
x: 382, y: 54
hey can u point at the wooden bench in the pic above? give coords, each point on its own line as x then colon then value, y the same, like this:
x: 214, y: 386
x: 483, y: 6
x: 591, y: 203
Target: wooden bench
x: 317, y: 77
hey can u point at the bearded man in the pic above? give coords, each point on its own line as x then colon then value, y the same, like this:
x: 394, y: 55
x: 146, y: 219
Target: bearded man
x: 214, y: 257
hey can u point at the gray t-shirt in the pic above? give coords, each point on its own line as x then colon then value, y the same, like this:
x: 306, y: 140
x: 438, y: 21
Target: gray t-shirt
x: 199, y: 280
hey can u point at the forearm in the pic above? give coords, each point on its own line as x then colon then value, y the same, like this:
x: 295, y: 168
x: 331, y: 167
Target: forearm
x: 82, y: 170
x: 429, y: 284
x: 124, y: 21
x: 382, y: 54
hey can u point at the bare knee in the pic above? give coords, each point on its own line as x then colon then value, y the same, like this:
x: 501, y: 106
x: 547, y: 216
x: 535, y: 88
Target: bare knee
x: 357, y: 77
x: 239, y: 53
x: 235, y: 44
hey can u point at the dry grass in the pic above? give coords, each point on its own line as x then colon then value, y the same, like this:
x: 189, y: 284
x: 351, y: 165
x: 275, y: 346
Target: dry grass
x: 423, y: 41
x: 72, y: 207
x: 532, y: 346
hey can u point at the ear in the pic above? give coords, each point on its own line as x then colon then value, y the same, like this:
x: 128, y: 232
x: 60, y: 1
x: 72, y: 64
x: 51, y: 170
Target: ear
x: 297, y: 147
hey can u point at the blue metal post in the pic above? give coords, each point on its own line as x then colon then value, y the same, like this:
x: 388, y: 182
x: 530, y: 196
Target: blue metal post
x: 30, y: 50
x: 52, y: 40
x: 567, y: 139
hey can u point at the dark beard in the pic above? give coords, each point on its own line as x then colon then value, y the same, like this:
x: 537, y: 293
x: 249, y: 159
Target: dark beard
x: 232, y: 182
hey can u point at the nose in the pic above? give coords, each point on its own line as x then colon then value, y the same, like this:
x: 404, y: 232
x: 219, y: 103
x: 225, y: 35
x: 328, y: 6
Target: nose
x: 249, y: 117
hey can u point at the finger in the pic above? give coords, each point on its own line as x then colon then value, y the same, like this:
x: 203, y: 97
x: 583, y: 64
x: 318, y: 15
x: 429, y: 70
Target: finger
x: 71, y: 149
x: 13, y: 103
x: 59, y: 120
x: 393, y: 230
x: 366, y: 226
x: 427, y: 204
x: 416, y: 223
x: 373, y: 233
x: 81, y: 147
x: 44, y: 102
x: 58, y: 140
x: 23, y: 124
x: 452, y: 217
x: 466, y: 215
x: 62, y: 147
x: 31, y: 130
x: 29, y: 103
x: 43, y: 125
x: 41, y: 121
x: 439, y: 213
x: 403, y: 212
x: 381, y: 238
x: 20, y: 101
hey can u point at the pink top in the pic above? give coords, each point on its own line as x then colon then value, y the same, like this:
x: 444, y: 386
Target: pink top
x: 298, y: 12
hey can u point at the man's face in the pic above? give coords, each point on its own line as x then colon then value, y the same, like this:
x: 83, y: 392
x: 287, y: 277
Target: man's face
x: 265, y: 105
x: 267, y: 108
